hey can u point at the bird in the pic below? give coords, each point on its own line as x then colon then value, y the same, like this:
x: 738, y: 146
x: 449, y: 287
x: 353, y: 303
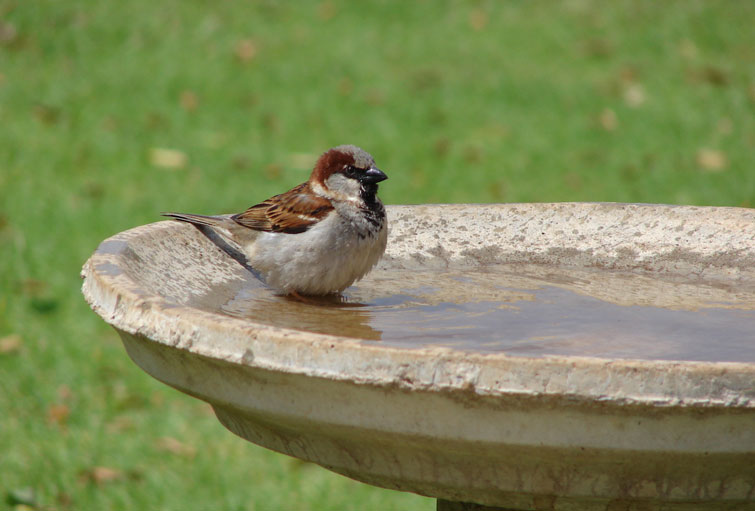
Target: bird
x: 317, y: 238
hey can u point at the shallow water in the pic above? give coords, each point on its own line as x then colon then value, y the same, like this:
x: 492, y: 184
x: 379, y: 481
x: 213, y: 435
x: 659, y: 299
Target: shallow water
x: 525, y: 310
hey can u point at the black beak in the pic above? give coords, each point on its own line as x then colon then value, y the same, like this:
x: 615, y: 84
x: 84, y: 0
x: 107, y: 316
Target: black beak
x: 373, y: 175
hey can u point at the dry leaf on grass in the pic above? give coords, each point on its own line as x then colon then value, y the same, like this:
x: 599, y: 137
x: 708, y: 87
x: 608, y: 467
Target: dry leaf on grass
x: 326, y: 10
x: 173, y: 446
x: 634, y: 95
x: 608, y: 120
x: 712, y: 160
x: 101, y: 475
x: 478, y: 19
x: 8, y: 32
x: 120, y: 424
x: 64, y: 392
x: 58, y: 414
x: 10, y: 344
x: 167, y: 158
x: 245, y: 50
x: 189, y: 100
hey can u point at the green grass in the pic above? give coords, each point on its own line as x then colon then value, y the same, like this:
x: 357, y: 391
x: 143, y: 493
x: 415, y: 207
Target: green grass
x: 458, y: 102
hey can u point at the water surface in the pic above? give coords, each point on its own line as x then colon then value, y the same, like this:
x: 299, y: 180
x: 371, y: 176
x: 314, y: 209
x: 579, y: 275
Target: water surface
x: 525, y: 310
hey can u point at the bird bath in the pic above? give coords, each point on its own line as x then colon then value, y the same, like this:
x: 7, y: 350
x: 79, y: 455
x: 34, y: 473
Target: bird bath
x: 522, y: 356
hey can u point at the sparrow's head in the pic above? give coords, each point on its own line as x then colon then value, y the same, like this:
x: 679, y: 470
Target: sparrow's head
x: 349, y: 171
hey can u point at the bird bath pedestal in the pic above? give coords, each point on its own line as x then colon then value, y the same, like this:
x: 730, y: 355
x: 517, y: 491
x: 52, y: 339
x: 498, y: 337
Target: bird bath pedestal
x: 517, y: 356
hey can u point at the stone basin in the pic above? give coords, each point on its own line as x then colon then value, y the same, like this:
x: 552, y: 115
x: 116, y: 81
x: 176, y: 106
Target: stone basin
x: 523, y: 356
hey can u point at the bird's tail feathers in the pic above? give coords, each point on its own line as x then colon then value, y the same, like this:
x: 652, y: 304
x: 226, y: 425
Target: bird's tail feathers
x: 193, y: 219
x: 222, y: 225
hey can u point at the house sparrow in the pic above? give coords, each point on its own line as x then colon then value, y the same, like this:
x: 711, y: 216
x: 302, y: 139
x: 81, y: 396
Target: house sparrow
x: 319, y: 237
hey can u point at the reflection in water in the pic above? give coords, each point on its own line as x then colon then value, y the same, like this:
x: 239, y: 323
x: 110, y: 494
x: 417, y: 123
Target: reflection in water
x: 524, y: 310
x: 327, y: 315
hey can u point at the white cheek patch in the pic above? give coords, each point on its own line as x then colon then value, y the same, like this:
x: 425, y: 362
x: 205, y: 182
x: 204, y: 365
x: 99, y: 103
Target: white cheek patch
x: 343, y: 185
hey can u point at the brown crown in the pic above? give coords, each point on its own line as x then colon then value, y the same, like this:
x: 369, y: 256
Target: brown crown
x: 330, y: 162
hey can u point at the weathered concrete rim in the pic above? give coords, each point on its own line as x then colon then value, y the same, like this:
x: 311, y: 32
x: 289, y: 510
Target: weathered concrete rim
x: 120, y: 301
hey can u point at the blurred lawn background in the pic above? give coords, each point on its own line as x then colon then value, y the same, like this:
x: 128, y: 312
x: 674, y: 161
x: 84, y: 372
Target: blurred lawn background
x: 114, y: 111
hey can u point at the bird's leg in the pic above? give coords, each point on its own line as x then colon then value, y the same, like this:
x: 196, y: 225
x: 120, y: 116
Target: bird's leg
x: 299, y: 298
x: 321, y: 300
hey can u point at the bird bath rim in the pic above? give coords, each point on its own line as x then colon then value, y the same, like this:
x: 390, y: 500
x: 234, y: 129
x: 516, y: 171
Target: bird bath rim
x: 655, y: 393
x: 124, y: 305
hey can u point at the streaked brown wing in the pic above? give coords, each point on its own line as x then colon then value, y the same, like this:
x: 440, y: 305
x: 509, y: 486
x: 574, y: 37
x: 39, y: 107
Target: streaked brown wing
x: 292, y: 212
